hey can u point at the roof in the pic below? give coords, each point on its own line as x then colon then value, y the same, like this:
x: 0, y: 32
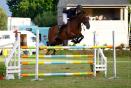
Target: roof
x: 93, y: 3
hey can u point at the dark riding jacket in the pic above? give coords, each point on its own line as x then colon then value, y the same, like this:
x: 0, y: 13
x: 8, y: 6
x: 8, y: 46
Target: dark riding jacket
x: 70, y: 12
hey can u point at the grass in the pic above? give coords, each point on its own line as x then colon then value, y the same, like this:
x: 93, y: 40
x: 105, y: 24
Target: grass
x: 123, y: 74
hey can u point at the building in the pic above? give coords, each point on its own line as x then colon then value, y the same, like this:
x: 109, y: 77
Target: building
x: 15, y: 22
x: 112, y: 16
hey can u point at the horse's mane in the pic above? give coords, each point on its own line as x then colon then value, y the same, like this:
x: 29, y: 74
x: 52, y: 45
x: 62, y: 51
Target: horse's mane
x: 74, y: 17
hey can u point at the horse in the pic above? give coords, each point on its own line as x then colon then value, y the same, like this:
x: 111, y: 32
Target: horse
x: 69, y: 31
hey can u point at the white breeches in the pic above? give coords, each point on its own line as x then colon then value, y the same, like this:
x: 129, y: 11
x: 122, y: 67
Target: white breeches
x: 65, y: 18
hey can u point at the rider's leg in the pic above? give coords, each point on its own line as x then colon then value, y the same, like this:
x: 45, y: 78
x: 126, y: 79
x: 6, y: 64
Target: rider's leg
x: 58, y: 33
x: 64, y: 16
x: 64, y: 21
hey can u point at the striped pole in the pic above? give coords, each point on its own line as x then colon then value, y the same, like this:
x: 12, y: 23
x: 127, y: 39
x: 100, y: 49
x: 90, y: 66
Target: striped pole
x: 59, y: 74
x: 59, y: 56
x: 61, y: 62
x: 68, y: 47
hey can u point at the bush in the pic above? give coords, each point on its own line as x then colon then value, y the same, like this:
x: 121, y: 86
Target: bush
x: 2, y: 70
x: 3, y: 19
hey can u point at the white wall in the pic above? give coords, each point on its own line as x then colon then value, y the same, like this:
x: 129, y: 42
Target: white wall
x: 104, y: 30
x: 8, y: 41
x: 17, y: 21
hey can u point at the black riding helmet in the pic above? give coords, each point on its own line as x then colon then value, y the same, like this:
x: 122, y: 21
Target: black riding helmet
x: 78, y: 9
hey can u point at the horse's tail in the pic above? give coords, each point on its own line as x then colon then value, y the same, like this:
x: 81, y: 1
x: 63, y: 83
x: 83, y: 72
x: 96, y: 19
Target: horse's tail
x: 49, y: 30
x: 47, y: 43
x: 49, y: 33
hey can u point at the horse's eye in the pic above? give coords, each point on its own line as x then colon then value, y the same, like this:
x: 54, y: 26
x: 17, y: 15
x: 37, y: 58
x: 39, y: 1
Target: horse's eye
x: 87, y: 17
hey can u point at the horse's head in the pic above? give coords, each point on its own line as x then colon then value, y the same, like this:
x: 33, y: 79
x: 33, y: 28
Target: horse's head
x: 84, y: 19
x: 86, y: 22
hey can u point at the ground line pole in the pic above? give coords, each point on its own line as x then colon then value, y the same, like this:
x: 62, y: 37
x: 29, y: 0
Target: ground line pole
x: 114, y: 55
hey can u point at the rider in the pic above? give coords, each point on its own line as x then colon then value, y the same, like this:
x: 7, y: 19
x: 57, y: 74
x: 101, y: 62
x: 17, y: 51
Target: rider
x: 69, y: 13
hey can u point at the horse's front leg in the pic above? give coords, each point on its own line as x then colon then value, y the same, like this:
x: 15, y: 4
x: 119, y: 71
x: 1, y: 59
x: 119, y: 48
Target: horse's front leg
x: 78, y: 39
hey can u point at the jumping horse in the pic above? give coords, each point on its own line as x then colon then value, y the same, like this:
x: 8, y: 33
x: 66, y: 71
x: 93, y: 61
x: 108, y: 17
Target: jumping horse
x: 70, y: 31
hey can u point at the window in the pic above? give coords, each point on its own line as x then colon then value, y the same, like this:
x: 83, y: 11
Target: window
x: 108, y: 13
x: 104, y: 13
x: 6, y: 36
x: 28, y: 29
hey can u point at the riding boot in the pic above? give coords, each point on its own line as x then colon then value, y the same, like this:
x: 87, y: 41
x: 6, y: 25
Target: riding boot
x: 58, y: 33
x: 58, y: 30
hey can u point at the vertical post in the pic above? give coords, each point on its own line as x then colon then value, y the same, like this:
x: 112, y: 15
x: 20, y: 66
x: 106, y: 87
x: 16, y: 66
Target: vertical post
x: 19, y: 59
x: 114, y: 55
x: 37, y: 54
x: 14, y: 64
x: 94, y: 65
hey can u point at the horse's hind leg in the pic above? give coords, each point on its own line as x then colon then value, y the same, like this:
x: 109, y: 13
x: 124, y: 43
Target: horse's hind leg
x: 50, y: 51
x: 54, y: 51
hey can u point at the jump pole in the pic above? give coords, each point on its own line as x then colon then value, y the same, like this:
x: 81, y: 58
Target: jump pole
x: 19, y: 57
x: 37, y: 56
x: 114, y: 55
x: 94, y: 65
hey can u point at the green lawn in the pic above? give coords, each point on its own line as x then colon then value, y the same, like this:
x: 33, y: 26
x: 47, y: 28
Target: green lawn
x: 123, y: 79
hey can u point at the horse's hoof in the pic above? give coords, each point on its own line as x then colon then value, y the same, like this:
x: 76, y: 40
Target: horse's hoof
x: 73, y: 41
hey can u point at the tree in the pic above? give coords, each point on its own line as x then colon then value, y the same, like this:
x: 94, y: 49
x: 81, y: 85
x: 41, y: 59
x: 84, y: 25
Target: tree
x: 14, y: 6
x: 31, y: 8
x: 3, y: 19
x: 129, y: 9
x: 129, y: 1
x: 46, y: 19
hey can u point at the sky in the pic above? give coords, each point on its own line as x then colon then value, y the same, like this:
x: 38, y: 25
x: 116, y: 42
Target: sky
x: 5, y: 7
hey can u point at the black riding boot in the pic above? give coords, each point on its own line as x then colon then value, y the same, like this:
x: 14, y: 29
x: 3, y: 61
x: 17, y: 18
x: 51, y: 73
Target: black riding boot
x: 58, y: 34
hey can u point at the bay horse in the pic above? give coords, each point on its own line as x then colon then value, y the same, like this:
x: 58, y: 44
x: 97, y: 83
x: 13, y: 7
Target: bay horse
x: 69, y: 31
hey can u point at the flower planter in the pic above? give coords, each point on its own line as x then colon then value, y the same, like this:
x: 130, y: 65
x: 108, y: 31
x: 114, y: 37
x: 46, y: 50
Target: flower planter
x: 1, y: 77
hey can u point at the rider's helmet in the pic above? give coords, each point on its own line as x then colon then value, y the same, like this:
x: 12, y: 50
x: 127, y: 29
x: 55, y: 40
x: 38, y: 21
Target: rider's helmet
x: 78, y: 9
